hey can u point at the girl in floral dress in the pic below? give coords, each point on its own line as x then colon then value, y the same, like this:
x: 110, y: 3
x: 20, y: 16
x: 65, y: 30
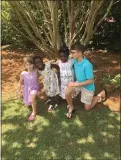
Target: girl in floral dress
x: 50, y: 80
x: 66, y: 70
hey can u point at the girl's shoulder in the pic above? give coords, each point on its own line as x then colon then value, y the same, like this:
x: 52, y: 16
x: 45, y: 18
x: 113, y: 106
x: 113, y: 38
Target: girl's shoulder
x: 47, y: 65
x: 23, y: 72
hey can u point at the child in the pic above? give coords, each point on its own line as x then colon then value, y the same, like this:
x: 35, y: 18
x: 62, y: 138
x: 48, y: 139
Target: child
x: 50, y: 80
x: 28, y: 79
x: 85, y: 81
x: 66, y: 70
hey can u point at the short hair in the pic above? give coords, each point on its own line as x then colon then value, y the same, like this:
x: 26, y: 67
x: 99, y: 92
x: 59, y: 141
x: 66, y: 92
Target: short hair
x: 64, y: 50
x: 29, y: 59
x: 78, y: 47
x: 37, y: 57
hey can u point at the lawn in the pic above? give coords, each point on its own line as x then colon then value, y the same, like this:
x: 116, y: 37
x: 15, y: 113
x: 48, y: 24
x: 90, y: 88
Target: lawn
x: 88, y: 135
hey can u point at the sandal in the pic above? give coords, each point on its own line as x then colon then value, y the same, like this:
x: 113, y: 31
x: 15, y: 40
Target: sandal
x: 50, y: 109
x: 56, y: 105
x: 47, y: 102
x: 69, y: 114
x: 106, y: 95
x: 31, y: 117
x: 103, y: 99
x: 68, y: 107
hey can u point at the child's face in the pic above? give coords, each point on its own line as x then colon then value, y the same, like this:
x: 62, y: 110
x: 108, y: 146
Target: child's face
x: 39, y: 64
x: 76, y: 54
x: 63, y: 57
x: 29, y: 66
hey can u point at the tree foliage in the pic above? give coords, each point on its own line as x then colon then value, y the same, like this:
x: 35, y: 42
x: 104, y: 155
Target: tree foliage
x: 12, y: 31
x: 108, y: 34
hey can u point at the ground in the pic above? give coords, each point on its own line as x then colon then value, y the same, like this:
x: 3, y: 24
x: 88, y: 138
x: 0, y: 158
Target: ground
x: 88, y: 135
x: 104, y: 64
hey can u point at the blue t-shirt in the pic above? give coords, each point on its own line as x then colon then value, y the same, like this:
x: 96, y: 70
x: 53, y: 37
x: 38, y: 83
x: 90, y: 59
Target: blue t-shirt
x: 83, y: 72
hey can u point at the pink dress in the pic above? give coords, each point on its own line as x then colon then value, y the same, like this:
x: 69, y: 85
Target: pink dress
x: 31, y: 85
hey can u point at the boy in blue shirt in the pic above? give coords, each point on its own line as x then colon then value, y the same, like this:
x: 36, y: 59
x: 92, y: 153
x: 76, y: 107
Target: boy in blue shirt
x: 84, y: 82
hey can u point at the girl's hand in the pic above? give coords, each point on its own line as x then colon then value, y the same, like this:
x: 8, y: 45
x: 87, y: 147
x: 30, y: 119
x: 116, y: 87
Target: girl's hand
x: 20, y: 95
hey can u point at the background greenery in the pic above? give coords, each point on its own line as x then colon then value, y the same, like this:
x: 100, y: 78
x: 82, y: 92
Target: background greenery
x: 108, y: 35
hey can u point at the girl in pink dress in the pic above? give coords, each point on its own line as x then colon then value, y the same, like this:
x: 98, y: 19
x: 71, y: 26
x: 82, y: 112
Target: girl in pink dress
x: 28, y: 79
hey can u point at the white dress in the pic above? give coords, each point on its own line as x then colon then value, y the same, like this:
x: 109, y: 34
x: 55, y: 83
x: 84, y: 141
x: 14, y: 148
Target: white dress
x: 66, y: 75
x: 50, y: 81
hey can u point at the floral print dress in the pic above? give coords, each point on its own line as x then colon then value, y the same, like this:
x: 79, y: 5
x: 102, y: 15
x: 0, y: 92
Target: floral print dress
x: 66, y: 75
x: 50, y: 81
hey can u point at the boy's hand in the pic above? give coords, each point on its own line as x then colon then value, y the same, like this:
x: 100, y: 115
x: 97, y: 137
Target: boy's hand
x: 73, y: 84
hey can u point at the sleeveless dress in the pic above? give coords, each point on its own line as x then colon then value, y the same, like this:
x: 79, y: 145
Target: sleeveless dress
x: 31, y: 85
x: 66, y: 75
x: 50, y: 81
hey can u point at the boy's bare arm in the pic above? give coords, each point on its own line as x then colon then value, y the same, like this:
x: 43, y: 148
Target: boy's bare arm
x: 77, y: 84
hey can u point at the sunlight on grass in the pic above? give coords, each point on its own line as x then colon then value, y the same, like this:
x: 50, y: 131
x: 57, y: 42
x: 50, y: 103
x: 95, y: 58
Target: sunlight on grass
x: 110, y: 126
x: 87, y: 156
x: 88, y: 140
x: 16, y: 145
x: 88, y: 135
x: 6, y: 127
x: 118, y: 117
x: 31, y: 145
x: 107, y: 155
x: 78, y: 122
x: 81, y: 141
x: 65, y: 124
x: 106, y: 134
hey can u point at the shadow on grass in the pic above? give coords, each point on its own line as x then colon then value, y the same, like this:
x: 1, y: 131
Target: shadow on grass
x: 88, y: 135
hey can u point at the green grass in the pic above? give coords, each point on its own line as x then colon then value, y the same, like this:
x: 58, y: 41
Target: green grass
x: 88, y: 135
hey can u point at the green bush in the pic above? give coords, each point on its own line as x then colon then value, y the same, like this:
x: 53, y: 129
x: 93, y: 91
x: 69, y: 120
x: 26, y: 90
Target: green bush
x: 112, y: 81
x: 116, y: 81
x: 9, y: 34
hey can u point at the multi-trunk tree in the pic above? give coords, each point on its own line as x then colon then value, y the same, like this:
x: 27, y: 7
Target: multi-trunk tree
x: 50, y: 24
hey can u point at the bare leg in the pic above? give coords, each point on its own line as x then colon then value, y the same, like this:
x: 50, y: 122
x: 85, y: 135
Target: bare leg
x: 34, y: 105
x: 95, y: 100
x: 68, y: 94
